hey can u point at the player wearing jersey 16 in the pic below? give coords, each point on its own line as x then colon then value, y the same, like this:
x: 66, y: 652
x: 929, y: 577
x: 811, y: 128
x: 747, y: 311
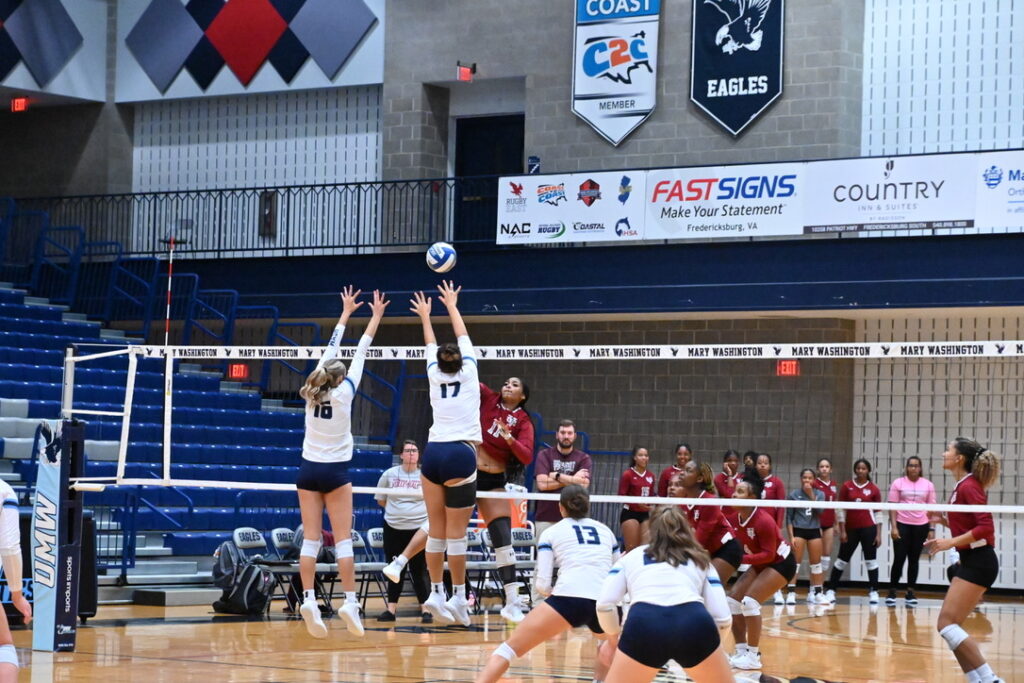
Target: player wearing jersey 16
x: 323, y: 478
x: 678, y: 606
x: 448, y: 466
x: 583, y: 550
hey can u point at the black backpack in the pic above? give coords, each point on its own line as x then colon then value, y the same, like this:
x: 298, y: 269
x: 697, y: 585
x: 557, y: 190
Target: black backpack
x: 247, y: 587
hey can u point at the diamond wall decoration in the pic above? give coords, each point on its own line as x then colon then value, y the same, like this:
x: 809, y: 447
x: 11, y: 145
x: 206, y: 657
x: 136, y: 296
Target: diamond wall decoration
x: 332, y: 29
x: 162, y: 40
x: 45, y: 35
x: 204, y: 35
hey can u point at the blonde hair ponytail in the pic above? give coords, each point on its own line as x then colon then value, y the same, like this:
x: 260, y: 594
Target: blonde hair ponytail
x: 322, y: 380
x: 672, y: 539
x: 986, y: 468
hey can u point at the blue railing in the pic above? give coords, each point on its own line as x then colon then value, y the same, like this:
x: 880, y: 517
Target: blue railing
x: 58, y: 257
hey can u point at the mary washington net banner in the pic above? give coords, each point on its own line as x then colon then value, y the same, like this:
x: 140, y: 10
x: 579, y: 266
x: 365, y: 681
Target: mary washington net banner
x: 615, y: 64
x: 940, y: 194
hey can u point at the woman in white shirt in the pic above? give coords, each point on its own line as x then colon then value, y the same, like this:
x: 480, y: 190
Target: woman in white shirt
x: 326, y: 452
x: 677, y: 606
x: 448, y: 469
x: 404, y: 516
x: 10, y: 554
x: 583, y: 549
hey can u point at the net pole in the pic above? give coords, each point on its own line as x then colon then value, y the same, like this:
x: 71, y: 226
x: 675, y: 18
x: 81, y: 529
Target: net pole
x: 68, y: 390
x: 168, y: 407
x: 170, y: 280
x: 129, y: 393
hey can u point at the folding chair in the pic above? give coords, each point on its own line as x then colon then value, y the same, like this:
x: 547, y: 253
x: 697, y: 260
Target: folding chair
x: 246, y: 538
x: 283, y: 541
x: 368, y: 569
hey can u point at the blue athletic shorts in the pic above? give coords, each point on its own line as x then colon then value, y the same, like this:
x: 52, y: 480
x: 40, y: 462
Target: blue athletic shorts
x: 577, y: 611
x: 653, y: 634
x: 447, y: 460
x: 322, y: 477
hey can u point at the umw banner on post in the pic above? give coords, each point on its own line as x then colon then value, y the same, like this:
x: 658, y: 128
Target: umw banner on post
x: 736, y: 64
x: 615, y: 64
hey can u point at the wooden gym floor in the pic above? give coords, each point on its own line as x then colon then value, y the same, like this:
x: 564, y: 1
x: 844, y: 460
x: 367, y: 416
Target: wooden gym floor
x: 850, y: 642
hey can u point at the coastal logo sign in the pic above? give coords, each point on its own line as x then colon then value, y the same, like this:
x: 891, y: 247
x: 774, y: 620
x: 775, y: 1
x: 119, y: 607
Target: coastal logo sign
x: 615, y: 64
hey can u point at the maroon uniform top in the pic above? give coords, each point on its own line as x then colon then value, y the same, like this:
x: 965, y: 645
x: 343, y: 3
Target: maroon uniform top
x: 709, y: 525
x: 665, y: 478
x: 828, y: 517
x: 762, y: 539
x: 725, y: 484
x: 553, y: 460
x: 774, y: 489
x: 518, y: 423
x: 633, y: 483
x: 968, y: 491
x: 868, y: 493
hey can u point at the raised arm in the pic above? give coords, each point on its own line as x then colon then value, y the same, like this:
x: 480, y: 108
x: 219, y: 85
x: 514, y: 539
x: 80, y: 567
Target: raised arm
x: 355, y: 369
x: 377, y: 309
x: 421, y: 307
x: 349, y: 305
x: 450, y: 298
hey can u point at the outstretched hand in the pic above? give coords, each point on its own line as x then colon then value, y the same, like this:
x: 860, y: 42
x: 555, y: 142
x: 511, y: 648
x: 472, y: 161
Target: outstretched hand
x: 379, y: 304
x: 449, y: 293
x: 349, y: 304
x: 420, y: 305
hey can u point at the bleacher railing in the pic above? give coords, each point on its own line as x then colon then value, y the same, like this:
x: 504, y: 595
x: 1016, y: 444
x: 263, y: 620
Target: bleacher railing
x: 285, y: 221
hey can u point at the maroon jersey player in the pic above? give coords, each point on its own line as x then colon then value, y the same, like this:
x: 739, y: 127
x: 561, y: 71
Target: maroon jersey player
x: 636, y: 481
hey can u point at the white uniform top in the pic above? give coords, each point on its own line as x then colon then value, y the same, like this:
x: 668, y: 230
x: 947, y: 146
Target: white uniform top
x: 583, y: 550
x: 659, y: 583
x: 402, y: 512
x: 10, y: 532
x: 329, y: 424
x: 455, y: 398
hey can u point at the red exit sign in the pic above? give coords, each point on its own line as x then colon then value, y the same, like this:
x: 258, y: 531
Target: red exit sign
x: 19, y: 104
x: 238, y: 372
x: 787, y: 368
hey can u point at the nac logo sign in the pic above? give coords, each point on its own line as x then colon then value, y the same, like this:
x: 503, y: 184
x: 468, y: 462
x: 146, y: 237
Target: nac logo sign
x: 616, y: 58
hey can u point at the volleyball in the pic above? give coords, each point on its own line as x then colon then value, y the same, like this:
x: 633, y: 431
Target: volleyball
x: 441, y: 257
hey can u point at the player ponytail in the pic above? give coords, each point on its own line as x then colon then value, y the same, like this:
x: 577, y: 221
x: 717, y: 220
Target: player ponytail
x: 707, y: 476
x: 978, y: 460
x: 449, y: 358
x: 575, y: 501
x: 322, y: 380
x: 672, y: 539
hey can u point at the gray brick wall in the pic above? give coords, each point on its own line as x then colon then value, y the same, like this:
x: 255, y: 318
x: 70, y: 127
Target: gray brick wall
x: 818, y: 115
x: 712, y: 405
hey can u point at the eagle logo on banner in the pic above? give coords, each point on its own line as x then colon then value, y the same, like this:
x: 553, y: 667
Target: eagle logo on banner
x: 736, y: 68
x: 615, y: 64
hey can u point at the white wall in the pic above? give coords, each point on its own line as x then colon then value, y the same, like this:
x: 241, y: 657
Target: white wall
x: 942, y: 75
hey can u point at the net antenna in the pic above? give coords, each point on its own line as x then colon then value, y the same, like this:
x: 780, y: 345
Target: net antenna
x: 177, y: 235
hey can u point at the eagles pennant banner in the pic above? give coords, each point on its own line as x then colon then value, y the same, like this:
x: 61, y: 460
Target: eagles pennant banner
x: 615, y: 64
x: 736, y: 66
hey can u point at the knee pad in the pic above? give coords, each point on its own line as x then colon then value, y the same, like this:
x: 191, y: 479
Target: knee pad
x: 817, y: 568
x: 457, y: 546
x: 750, y: 607
x: 500, y: 530
x: 462, y: 495
x: 436, y: 545
x: 310, y: 548
x: 343, y: 549
x: 9, y: 655
x: 505, y: 652
x: 735, y: 608
x: 505, y: 557
x: 872, y: 565
x: 954, y: 636
x: 826, y: 562
x: 842, y: 564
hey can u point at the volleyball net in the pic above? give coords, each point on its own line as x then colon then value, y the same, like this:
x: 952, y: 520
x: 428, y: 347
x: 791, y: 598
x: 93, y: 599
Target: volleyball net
x: 158, y: 417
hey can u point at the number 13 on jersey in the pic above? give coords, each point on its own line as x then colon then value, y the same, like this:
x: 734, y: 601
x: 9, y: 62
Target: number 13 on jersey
x: 592, y: 537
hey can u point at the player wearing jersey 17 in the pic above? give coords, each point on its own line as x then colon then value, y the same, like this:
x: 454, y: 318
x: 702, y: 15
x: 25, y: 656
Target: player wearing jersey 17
x: 10, y: 553
x: 583, y: 550
x: 975, y: 469
x: 678, y: 606
x: 449, y: 461
x: 323, y: 478
x: 771, y: 566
